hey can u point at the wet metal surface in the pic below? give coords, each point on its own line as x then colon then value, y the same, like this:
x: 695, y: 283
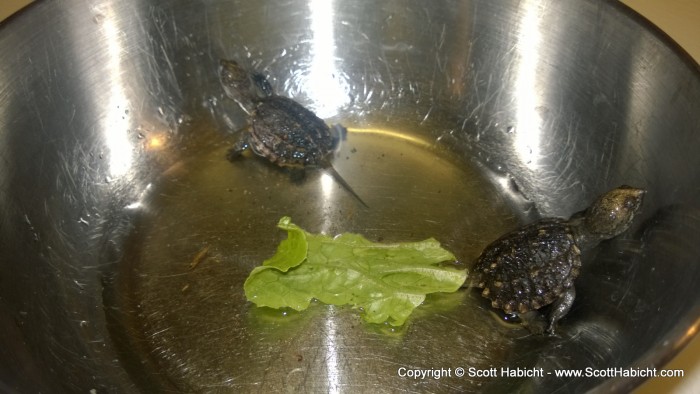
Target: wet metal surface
x: 466, y: 119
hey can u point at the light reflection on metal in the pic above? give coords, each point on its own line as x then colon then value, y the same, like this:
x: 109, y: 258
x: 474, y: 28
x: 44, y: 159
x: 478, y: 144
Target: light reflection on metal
x: 323, y: 84
x: 155, y: 142
x: 327, y: 185
x: 529, y: 122
x: 117, y: 120
x: 139, y: 203
x: 134, y: 205
x: 332, y: 357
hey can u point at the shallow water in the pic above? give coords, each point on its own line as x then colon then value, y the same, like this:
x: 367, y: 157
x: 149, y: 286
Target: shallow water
x: 180, y: 307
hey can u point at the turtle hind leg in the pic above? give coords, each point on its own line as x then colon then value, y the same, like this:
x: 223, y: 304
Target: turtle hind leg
x: 560, y: 308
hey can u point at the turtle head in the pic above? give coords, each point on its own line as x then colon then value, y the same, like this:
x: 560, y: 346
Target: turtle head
x: 233, y: 76
x: 237, y: 83
x: 612, y: 213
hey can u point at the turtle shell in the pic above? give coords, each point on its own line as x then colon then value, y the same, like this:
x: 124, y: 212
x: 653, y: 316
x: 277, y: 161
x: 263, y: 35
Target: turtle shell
x: 530, y: 267
x: 287, y: 134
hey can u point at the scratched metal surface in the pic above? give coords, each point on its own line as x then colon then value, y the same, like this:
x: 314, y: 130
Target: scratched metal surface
x: 102, y: 102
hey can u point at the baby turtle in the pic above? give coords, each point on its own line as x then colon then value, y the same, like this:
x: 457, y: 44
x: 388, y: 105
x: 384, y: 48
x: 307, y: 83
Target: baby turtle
x: 536, y: 265
x: 282, y: 130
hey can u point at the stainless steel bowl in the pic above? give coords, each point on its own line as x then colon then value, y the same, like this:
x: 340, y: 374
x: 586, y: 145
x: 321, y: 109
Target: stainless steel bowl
x: 466, y: 118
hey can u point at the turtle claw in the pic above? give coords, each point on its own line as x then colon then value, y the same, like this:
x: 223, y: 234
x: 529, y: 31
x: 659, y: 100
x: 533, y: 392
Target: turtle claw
x: 551, y: 332
x: 534, y: 322
x: 237, y: 150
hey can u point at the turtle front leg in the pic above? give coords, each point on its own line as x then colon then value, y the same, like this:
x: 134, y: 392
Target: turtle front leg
x: 561, y: 307
x: 297, y: 174
x: 238, y: 148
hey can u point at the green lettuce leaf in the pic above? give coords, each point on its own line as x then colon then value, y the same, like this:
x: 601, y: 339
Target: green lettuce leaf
x: 387, y: 281
x: 292, y: 251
